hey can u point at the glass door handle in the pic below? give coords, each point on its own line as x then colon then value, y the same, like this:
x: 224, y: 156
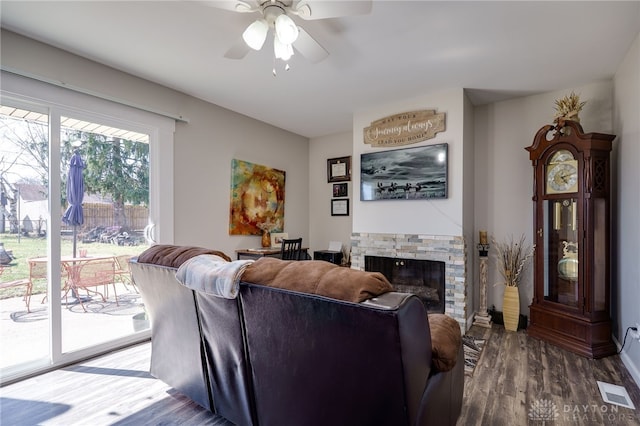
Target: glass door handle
x: 149, y: 232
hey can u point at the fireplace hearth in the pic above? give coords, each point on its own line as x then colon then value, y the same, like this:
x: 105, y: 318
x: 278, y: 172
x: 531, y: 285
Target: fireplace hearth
x: 424, y: 278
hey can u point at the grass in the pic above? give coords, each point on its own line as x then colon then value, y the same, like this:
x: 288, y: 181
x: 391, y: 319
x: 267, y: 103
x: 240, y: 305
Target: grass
x: 24, y: 248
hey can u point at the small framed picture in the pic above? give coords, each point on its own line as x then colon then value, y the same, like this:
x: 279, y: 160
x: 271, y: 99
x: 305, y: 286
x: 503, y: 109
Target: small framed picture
x: 340, y: 207
x: 340, y: 190
x: 339, y: 169
x: 277, y: 237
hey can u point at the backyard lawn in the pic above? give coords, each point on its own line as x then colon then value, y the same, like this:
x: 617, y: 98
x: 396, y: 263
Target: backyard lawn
x: 22, y: 248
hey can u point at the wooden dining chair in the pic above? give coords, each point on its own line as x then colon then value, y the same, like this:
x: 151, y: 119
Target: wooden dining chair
x: 291, y: 249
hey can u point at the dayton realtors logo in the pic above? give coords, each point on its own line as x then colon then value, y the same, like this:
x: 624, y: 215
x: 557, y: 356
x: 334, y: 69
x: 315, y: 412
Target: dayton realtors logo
x: 545, y: 410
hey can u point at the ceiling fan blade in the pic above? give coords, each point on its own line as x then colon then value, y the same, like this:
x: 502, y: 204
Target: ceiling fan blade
x: 309, y: 48
x: 238, y: 50
x: 330, y: 9
x: 242, y: 6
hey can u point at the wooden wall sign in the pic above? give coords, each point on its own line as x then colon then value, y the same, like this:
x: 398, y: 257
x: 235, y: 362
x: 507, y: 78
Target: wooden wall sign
x: 405, y: 128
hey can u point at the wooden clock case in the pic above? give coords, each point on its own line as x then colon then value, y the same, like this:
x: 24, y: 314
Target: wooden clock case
x: 572, y: 233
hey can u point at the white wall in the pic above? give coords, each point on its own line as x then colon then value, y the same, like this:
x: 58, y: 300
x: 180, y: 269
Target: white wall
x: 204, y: 148
x: 504, y: 173
x: 468, y: 210
x: 322, y: 226
x: 431, y: 217
x: 452, y: 216
x: 626, y: 179
x: 204, y: 145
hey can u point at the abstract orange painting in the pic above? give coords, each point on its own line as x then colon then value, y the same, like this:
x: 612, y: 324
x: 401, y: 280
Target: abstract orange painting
x: 257, y: 199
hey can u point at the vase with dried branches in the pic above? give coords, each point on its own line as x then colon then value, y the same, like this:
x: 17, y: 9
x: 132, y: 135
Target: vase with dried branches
x: 513, y: 256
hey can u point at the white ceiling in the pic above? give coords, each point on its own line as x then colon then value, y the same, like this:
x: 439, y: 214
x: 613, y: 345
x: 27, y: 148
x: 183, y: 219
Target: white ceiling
x: 403, y: 48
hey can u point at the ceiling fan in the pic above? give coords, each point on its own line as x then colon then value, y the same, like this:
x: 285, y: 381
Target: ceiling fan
x: 276, y: 15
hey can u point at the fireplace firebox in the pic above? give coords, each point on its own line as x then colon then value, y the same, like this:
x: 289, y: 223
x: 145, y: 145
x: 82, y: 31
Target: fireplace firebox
x: 424, y: 278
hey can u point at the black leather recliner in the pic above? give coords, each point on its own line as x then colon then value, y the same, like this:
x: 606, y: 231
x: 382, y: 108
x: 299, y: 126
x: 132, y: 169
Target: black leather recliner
x: 279, y: 357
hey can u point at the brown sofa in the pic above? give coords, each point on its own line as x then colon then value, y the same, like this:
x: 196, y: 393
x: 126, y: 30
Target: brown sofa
x: 275, y: 356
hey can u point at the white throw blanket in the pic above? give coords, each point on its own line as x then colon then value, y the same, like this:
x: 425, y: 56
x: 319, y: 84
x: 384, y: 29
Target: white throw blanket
x: 213, y: 275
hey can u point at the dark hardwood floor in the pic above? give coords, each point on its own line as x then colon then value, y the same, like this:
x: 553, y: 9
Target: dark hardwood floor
x: 517, y: 375
x: 115, y: 389
x: 514, y: 373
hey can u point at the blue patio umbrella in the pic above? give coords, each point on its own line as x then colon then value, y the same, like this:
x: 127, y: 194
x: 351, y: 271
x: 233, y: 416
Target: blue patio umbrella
x: 74, y: 216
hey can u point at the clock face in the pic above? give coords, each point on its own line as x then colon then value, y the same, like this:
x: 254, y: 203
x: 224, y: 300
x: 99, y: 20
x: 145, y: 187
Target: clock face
x: 562, y: 177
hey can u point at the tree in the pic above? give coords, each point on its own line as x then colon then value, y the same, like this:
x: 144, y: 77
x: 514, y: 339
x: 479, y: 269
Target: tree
x: 25, y: 149
x: 117, y: 168
x: 23, y: 158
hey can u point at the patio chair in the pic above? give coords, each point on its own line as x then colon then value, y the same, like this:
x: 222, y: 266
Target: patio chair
x: 291, y: 249
x: 18, y: 283
x: 122, y: 272
x: 38, y: 271
x: 90, y: 274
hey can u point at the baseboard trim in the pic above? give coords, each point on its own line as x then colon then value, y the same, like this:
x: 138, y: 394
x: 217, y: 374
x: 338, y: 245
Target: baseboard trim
x: 633, y: 369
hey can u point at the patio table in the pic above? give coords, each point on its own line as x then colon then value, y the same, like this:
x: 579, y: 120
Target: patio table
x: 73, y: 266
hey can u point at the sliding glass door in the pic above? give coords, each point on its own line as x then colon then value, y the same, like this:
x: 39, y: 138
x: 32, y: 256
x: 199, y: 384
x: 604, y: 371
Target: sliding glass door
x: 105, y: 191
x: 24, y: 320
x: 79, y: 199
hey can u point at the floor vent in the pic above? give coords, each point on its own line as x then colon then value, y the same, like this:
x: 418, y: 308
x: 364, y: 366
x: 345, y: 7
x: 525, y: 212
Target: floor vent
x: 614, y: 394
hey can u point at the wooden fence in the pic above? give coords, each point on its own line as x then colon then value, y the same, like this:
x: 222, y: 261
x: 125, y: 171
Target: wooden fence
x: 95, y: 215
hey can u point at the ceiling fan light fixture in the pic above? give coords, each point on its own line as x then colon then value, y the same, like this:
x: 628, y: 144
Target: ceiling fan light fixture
x: 286, y: 29
x: 281, y: 50
x: 256, y: 34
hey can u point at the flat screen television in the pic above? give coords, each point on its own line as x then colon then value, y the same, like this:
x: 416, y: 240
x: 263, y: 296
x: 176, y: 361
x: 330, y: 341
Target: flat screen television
x: 404, y: 174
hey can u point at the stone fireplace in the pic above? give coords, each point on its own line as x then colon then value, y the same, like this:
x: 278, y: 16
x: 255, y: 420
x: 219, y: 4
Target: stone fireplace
x: 449, y: 250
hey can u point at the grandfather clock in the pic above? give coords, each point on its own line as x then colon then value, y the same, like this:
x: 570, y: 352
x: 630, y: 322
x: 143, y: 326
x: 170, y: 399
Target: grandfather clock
x: 571, y: 302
